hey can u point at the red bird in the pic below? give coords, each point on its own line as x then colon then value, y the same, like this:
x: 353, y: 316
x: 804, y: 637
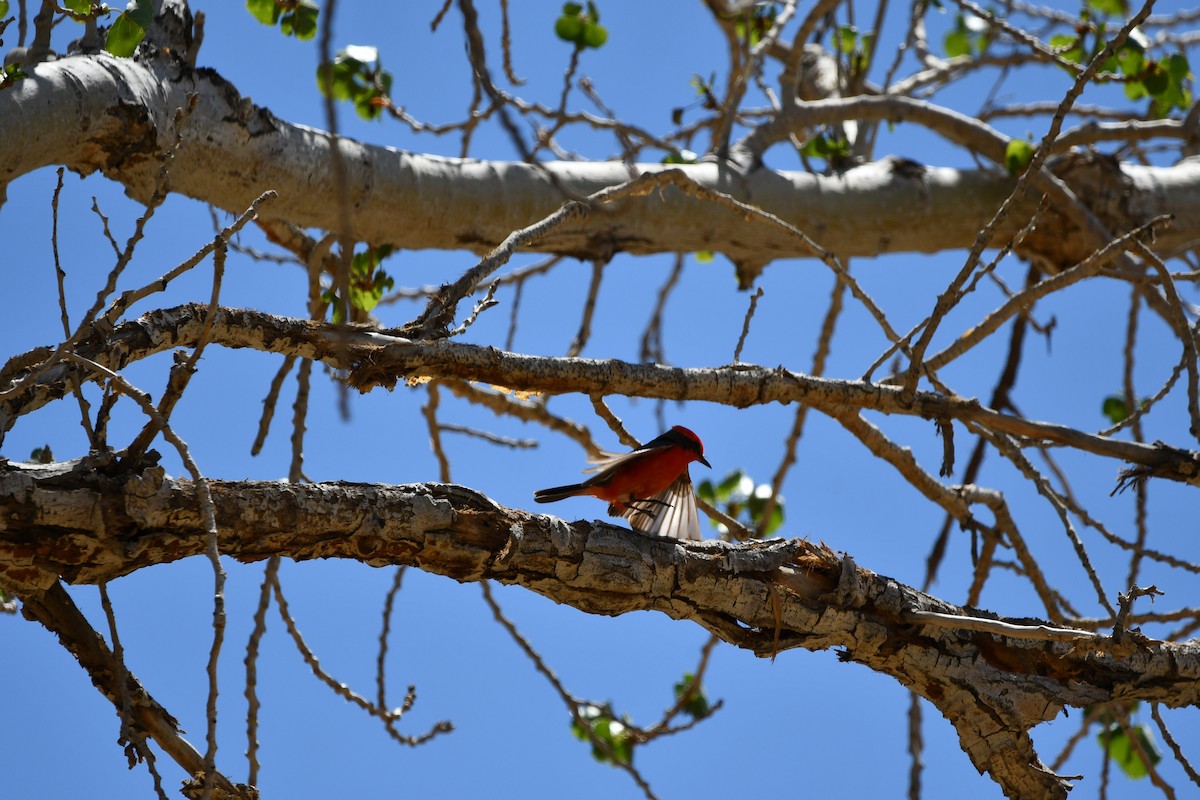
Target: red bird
x: 650, y: 486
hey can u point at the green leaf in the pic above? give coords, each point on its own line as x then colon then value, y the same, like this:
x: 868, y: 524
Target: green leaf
x: 705, y: 492
x: 1177, y: 67
x: 957, y: 43
x: 1135, y: 90
x: 295, y: 18
x: 731, y: 482
x: 594, y: 35
x: 1115, y: 408
x: 868, y: 47
x: 3, y: 8
x: 141, y: 12
x: 703, y: 256
x: 125, y: 35
x: 300, y: 22
x: 265, y: 11
x: 608, y: 730
x: 846, y: 38
x: 680, y: 157
x: 776, y: 518
x: 1017, y: 155
x: 969, y: 36
x: 10, y: 75
x: 80, y: 7
x: 1115, y: 8
x: 582, y: 29
x: 757, y: 506
x: 1155, y: 78
x: 568, y: 28
x: 1175, y: 94
x: 350, y: 77
x: 830, y: 148
x: 1118, y: 746
x: 697, y: 706
x: 330, y: 298
x: 367, y: 282
x: 1131, y: 59
x: 1069, y: 47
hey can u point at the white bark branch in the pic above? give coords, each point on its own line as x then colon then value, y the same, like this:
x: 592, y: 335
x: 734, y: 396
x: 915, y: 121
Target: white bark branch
x: 113, y: 115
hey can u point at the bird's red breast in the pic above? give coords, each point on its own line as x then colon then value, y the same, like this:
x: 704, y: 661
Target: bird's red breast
x: 650, y: 486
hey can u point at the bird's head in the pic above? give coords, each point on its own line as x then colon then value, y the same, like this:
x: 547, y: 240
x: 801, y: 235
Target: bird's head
x: 690, y: 442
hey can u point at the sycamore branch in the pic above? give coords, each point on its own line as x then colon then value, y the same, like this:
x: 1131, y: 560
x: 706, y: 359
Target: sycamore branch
x: 370, y: 359
x: 97, y: 113
x: 92, y: 522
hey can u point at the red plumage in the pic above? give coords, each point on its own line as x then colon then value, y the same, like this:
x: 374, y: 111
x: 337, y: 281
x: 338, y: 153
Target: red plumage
x: 649, y: 486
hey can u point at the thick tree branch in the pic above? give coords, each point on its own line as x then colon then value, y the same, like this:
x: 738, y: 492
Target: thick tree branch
x: 53, y: 608
x: 115, y: 115
x: 375, y: 359
x: 87, y: 525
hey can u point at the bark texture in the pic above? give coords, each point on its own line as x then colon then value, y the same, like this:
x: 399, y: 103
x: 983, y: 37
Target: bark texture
x: 98, y: 113
x: 370, y: 359
x: 92, y: 522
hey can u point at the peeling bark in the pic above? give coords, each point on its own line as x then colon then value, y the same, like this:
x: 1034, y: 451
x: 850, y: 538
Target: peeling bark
x: 87, y: 523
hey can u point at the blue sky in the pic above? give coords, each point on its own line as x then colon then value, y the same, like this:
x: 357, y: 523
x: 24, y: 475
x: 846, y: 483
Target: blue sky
x: 802, y: 724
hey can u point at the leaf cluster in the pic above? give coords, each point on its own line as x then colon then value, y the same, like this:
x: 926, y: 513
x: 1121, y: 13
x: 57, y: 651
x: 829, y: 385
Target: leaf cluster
x: 1165, y: 81
x: 581, y: 27
x: 294, y: 17
x: 1129, y: 746
x: 739, y: 497
x: 356, y: 74
x: 368, y: 282
x: 127, y: 30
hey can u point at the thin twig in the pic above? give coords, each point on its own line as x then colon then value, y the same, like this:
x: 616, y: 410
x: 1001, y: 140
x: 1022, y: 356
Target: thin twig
x: 573, y: 705
x: 589, y: 309
x: 251, y: 661
x: 131, y: 734
x: 341, y: 689
x: 435, y: 435
x: 60, y: 275
x: 737, y: 351
x: 1171, y: 743
x: 210, y: 519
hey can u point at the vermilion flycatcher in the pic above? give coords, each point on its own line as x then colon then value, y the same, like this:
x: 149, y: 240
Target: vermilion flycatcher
x: 650, y: 486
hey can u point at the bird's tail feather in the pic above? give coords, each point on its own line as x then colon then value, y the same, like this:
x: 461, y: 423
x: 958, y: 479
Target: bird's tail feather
x: 556, y: 493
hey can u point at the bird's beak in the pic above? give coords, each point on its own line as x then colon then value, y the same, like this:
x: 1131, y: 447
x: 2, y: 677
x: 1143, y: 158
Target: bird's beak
x: 702, y: 460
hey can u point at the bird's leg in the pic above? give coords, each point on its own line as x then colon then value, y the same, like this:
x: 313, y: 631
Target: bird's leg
x: 648, y: 512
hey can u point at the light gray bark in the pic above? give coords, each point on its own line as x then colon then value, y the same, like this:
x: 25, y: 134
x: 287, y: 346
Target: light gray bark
x: 115, y: 115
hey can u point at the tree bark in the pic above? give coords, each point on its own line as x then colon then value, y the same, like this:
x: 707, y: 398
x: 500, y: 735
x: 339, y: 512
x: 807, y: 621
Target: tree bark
x: 98, y: 113
x: 371, y: 359
x: 93, y: 522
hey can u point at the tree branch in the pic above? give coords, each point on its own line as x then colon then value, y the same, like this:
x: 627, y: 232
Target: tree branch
x: 374, y: 359
x: 114, y: 115
x: 91, y: 525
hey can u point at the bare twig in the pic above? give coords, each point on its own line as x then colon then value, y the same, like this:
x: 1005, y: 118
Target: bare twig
x: 573, y: 705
